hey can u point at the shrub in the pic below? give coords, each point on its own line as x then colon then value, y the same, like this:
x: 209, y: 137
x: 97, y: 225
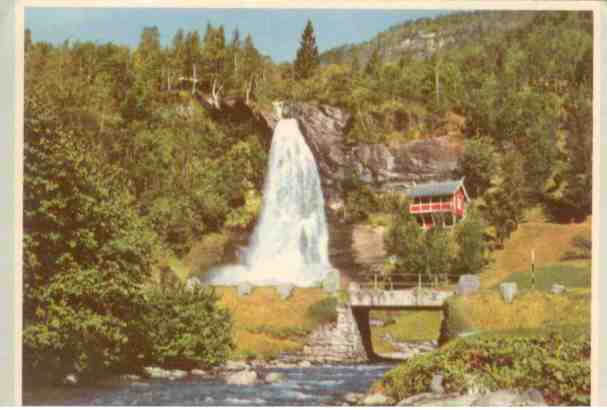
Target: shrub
x: 186, y: 328
x: 471, y: 245
x: 582, y: 248
x: 324, y: 311
x: 558, y: 368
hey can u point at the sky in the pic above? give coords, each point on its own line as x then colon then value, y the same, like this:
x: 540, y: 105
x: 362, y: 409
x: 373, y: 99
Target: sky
x: 275, y: 32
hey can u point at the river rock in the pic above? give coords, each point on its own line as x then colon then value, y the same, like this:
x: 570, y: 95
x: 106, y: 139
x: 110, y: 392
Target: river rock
x: 130, y: 377
x: 354, y: 398
x: 140, y: 385
x: 509, y: 290
x: 305, y: 364
x: 376, y: 399
x: 70, y: 379
x: 468, y: 284
x: 243, y: 377
x: 244, y: 288
x: 284, y: 290
x: 198, y: 372
x: 232, y: 365
x: 177, y: 374
x: 275, y: 377
x: 503, y: 398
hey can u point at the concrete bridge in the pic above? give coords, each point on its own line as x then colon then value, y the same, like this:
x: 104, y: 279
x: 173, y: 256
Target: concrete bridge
x: 363, y: 301
x: 350, y: 339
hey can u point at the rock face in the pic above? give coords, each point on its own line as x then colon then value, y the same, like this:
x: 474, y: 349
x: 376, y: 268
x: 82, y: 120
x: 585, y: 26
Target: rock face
x: 388, y: 166
x: 339, y: 342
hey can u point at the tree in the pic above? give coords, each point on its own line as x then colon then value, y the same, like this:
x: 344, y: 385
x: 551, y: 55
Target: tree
x: 374, y: 63
x: 28, y: 40
x: 214, y: 53
x: 437, y: 252
x: 471, y: 247
x: 477, y: 165
x: 308, y: 58
x: 405, y: 240
x: 505, y: 200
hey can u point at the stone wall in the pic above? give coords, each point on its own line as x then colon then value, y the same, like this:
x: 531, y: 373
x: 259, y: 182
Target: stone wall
x: 337, y: 342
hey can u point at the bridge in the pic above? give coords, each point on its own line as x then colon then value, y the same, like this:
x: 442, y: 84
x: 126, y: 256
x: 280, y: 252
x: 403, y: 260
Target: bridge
x: 363, y: 301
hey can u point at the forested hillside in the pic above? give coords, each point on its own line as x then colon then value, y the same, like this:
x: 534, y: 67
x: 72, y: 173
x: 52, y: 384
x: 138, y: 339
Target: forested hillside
x: 129, y: 159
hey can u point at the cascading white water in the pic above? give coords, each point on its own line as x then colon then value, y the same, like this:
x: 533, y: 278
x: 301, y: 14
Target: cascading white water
x: 290, y: 241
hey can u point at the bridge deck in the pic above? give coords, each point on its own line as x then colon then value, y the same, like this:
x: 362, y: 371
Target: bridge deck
x: 407, y: 298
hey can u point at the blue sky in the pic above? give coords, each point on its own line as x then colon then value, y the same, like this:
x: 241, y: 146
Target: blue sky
x: 275, y: 32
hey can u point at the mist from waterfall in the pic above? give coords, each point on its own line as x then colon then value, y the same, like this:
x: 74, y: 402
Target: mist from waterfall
x: 290, y: 241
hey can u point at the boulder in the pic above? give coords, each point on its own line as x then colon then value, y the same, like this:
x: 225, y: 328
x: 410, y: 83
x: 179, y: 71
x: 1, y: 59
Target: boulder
x: 557, y: 289
x: 332, y: 282
x: 130, y: 377
x: 376, y: 399
x: 275, y: 377
x: 243, y: 377
x: 468, y: 284
x: 503, y: 398
x: 284, y: 290
x: 305, y: 363
x: 198, y: 372
x: 70, y: 379
x: 244, y: 288
x: 156, y: 373
x: 353, y: 398
x: 509, y: 290
x: 232, y: 365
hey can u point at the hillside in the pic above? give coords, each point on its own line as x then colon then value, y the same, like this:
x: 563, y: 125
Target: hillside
x: 420, y: 38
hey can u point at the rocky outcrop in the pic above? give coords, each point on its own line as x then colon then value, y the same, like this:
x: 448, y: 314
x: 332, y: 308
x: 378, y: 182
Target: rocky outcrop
x: 387, y: 166
x: 500, y: 398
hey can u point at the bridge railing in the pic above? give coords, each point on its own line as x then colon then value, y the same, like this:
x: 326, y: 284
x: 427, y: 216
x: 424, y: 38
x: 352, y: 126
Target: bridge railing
x: 395, y: 281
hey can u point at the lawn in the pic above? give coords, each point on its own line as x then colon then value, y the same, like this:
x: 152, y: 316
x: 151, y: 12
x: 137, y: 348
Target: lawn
x: 408, y: 326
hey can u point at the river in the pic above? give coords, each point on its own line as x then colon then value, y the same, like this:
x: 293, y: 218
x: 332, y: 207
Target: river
x: 311, y: 386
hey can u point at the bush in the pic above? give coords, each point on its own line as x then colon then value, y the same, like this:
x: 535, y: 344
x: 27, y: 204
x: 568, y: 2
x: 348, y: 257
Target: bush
x: 558, y: 368
x: 582, y: 248
x: 186, y: 328
x: 324, y: 311
x: 360, y: 203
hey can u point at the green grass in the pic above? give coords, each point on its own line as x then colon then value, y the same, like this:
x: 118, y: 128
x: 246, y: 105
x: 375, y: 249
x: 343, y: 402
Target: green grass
x: 572, y: 274
x: 408, y: 326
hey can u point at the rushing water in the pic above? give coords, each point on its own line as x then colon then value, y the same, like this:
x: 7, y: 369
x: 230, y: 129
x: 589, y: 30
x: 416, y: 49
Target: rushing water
x: 290, y: 241
x: 312, y: 386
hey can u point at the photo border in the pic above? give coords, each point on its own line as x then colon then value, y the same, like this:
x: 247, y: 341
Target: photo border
x: 11, y: 153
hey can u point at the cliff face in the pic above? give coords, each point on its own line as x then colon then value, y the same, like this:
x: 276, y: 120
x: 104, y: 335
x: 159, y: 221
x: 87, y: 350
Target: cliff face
x: 385, y: 166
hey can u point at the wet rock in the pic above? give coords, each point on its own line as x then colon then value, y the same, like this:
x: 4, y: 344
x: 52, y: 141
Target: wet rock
x: 284, y: 290
x: 140, y: 385
x: 275, y: 377
x: 71, y: 380
x: 232, y: 365
x: 243, y: 377
x: 468, y: 284
x: 354, y: 398
x: 376, y: 399
x: 244, y: 288
x: 160, y: 373
x: 130, y: 377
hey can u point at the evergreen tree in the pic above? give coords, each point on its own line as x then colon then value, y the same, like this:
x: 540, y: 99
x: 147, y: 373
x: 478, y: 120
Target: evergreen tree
x: 477, y: 165
x: 308, y: 59
x: 374, y: 63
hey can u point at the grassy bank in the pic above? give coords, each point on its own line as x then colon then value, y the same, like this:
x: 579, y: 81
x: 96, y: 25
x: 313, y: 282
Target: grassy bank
x: 265, y: 325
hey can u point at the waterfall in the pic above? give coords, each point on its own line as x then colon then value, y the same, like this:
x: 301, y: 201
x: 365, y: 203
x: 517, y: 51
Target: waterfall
x: 290, y: 241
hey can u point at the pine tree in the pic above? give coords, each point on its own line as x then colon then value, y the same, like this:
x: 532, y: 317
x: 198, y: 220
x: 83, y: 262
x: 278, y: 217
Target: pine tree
x: 308, y: 58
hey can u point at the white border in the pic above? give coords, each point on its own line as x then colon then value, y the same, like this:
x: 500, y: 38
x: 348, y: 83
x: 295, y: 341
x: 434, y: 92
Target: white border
x: 11, y: 151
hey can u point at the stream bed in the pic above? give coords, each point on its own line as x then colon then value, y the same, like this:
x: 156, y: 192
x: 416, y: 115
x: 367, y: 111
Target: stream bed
x: 312, y: 386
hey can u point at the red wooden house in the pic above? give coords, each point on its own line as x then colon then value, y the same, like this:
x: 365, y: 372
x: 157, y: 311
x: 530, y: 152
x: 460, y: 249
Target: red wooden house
x: 438, y: 203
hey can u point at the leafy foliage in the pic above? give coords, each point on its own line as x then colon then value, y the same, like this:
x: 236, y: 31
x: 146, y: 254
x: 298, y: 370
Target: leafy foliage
x: 557, y: 367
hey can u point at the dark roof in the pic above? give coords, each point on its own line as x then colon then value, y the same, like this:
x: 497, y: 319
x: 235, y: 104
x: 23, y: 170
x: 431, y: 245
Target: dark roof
x: 436, y: 188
